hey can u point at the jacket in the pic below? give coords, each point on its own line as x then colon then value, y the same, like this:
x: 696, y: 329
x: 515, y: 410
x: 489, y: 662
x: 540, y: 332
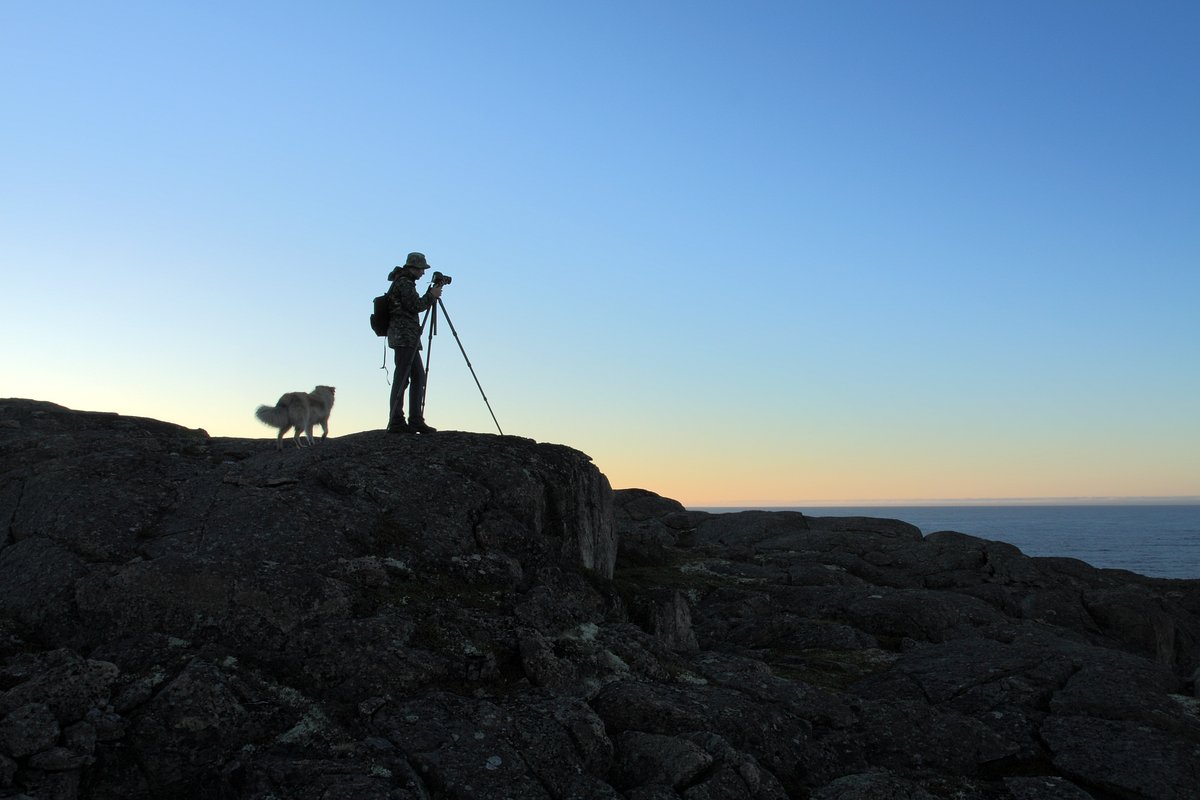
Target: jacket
x: 404, y: 330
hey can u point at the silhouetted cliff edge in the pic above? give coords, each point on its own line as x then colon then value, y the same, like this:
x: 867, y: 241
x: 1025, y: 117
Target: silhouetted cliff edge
x: 471, y: 616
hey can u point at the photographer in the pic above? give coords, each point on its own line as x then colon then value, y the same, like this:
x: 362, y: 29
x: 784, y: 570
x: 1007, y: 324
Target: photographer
x: 404, y: 337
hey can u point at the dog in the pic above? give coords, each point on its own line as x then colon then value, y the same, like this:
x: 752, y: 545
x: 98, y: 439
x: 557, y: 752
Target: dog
x: 299, y: 410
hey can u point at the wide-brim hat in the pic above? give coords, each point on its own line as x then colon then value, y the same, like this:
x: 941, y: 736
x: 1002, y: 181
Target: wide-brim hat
x: 416, y: 260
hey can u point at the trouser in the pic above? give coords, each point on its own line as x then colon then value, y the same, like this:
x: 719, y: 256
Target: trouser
x: 409, y: 369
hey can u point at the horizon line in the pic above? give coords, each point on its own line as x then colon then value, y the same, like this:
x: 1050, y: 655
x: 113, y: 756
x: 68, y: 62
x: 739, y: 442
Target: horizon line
x: 969, y: 501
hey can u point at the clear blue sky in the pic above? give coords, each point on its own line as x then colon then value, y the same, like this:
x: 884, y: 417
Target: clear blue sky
x: 739, y: 253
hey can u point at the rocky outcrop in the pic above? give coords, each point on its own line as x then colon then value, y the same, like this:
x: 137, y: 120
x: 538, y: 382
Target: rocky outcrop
x: 475, y: 616
x: 946, y: 663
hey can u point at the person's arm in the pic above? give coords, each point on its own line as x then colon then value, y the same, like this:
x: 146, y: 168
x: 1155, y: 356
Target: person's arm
x: 410, y: 301
x: 424, y: 301
x: 430, y: 297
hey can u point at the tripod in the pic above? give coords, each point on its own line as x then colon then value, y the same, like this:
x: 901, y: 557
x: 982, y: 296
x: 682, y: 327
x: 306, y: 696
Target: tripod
x: 432, y: 317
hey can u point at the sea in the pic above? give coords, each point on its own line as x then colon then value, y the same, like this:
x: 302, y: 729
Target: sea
x: 1157, y: 540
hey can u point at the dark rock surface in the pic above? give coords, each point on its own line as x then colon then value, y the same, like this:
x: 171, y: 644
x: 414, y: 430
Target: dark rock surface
x: 474, y: 616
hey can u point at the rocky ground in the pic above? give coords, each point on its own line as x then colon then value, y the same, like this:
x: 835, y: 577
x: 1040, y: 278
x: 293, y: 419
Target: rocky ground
x: 474, y: 616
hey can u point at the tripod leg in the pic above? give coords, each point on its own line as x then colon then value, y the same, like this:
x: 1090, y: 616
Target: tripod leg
x: 473, y: 375
x: 432, y: 317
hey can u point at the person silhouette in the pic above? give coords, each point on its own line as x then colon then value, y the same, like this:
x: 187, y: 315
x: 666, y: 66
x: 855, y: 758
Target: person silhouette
x: 404, y: 337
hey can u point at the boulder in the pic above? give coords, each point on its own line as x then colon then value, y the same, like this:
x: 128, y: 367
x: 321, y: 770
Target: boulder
x: 464, y: 615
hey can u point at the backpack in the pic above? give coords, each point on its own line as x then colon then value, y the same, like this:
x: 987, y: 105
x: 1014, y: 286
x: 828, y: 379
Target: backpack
x: 381, y: 315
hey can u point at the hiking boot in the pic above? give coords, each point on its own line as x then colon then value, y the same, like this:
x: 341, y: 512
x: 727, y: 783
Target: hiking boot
x: 419, y: 426
x: 399, y: 427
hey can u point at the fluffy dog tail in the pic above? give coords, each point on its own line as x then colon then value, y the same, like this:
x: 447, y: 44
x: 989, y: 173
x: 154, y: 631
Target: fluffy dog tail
x: 275, y: 416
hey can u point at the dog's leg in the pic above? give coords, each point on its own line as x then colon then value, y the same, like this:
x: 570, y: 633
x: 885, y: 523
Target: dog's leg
x: 324, y: 429
x: 279, y: 439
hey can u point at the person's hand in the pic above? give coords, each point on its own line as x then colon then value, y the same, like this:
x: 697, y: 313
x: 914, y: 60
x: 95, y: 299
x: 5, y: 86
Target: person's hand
x: 436, y: 291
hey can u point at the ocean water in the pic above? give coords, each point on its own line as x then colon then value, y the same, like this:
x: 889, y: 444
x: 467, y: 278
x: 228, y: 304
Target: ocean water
x: 1161, y: 541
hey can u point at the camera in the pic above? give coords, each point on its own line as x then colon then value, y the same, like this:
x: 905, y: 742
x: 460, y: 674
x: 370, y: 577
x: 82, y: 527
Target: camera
x: 441, y: 280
